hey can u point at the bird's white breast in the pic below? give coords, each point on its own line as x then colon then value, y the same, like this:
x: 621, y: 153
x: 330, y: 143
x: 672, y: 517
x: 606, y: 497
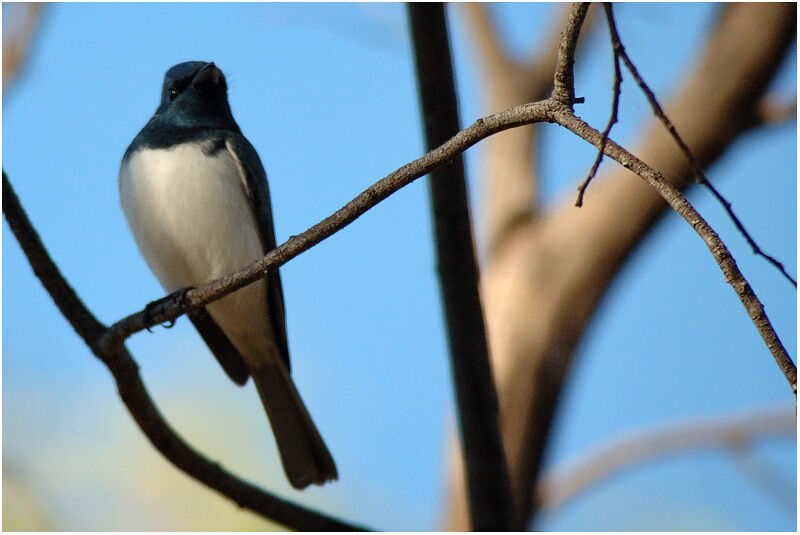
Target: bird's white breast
x: 193, y: 223
x: 188, y: 213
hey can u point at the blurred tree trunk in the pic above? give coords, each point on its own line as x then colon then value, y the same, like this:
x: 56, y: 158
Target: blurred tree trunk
x: 547, y: 270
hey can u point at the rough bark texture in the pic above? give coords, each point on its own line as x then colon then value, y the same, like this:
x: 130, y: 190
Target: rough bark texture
x: 546, y: 273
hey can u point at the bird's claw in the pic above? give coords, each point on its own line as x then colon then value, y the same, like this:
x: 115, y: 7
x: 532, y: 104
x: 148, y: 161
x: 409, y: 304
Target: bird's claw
x: 178, y: 297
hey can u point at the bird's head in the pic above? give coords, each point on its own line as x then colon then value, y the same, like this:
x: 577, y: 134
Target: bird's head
x: 195, y: 92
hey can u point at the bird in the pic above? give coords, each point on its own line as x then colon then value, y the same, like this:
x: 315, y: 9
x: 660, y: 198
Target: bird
x: 195, y: 196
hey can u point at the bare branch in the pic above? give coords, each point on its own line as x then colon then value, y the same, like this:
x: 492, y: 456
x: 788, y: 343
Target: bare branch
x: 700, y: 177
x: 550, y: 110
x: 138, y: 401
x: 563, y: 483
x: 511, y: 189
x: 538, y: 73
x: 491, y: 506
x: 680, y: 204
x: 513, y: 82
x: 547, y: 110
x: 108, y: 343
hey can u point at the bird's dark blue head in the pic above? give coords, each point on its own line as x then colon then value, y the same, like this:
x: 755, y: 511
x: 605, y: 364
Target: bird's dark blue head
x: 195, y: 94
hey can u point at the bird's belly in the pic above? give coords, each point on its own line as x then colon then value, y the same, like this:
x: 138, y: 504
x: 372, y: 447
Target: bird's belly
x: 189, y: 214
x: 192, y: 222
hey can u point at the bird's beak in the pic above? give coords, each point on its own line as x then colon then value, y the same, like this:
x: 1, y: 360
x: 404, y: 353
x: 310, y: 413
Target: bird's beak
x: 210, y: 73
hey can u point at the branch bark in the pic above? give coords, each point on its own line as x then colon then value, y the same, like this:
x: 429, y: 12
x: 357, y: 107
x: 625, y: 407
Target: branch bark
x: 712, y: 240
x: 491, y: 506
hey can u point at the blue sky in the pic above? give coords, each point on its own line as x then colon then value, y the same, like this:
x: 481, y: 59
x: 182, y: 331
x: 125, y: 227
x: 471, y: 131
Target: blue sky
x: 326, y: 94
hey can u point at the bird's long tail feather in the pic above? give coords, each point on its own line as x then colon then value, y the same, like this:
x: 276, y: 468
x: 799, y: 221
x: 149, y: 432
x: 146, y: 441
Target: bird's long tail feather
x: 305, y: 456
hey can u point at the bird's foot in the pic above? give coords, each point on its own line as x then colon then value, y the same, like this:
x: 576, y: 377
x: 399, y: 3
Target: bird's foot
x: 178, y: 298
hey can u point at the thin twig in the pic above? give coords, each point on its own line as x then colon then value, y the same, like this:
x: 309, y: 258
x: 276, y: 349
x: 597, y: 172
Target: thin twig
x: 565, y: 482
x: 489, y: 490
x: 611, y: 120
x: 138, y: 401
x: 700, y: 176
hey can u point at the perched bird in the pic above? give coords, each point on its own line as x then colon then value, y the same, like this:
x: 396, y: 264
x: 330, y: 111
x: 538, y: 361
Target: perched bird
x: 196, y: 198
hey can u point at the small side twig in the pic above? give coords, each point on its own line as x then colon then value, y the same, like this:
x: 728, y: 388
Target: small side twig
x: 611, y: 120
x: 700, y: 176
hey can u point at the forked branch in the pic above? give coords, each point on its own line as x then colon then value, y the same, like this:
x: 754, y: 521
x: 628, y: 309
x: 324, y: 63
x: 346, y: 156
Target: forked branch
x: 700, y: 177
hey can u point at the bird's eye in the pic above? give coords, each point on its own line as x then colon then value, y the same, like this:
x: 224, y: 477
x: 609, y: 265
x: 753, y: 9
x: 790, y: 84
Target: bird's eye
x: 173, y: 92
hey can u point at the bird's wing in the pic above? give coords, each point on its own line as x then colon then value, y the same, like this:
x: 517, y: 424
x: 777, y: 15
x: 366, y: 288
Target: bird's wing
x: 255, y: 184
x: 220, y: 346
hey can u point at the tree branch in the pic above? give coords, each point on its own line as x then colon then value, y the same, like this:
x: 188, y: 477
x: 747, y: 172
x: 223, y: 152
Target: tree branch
x: 681, y: 205
x: 563, y: 483
x: 516, y: 81
x: 491, y: 506
x: 137, y: 400
x: 494, y: 60
x: 770, y: 480
x: 774, y: 109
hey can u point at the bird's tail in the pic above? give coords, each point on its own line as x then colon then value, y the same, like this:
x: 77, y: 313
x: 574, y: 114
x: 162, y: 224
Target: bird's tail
x: 304, y: 455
